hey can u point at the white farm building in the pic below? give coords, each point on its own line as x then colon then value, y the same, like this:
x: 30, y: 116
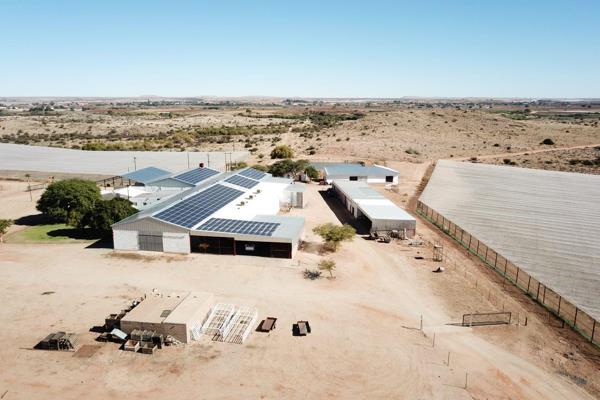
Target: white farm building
x: 374, y: 210
x: 357, y: 172
x: 223, y: 213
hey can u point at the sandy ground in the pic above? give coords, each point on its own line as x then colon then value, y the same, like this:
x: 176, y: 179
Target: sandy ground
x: 365, y: 342
x: 582, y: 160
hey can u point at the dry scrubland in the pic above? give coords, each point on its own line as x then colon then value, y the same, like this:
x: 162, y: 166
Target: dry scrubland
x: 366, y: 340
x: 376, y: 133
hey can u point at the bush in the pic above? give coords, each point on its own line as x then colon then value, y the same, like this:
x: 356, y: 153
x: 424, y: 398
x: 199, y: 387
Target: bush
x: 238, y: 165
x: 312, y: 274
x: 334, y: 234
x: 283, y: 151
x: 69, y: 201
x: 547, y: 141
x: 4, y: 225
x: 327, y: 265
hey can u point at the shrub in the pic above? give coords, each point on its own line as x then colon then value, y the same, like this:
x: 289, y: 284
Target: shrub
x: 283, y: 151
x: 327, y: 265
x: 547, y: 141
x: 4, y: 225
x: 312, y: 274
x: 334, y: 234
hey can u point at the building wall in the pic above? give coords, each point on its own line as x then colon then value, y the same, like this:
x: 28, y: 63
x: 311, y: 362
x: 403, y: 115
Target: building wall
x: 176, y: 243
x: 125, y: 240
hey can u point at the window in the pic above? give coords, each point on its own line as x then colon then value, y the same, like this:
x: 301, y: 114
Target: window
x: 389, y: 179
x: 354, y: 178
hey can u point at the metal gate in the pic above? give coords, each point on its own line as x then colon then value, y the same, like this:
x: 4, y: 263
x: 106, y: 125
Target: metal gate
x: 150, y: 242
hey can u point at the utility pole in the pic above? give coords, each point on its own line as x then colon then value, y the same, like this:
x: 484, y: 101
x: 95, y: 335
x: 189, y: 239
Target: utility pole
x: 188, y: 157
x: 134, y: 163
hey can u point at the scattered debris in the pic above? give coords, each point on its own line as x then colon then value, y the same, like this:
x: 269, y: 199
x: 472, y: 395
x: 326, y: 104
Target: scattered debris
x: 58, y: 341
x: 301, y: 328
x: 439, y: 269
x: 268, y: 324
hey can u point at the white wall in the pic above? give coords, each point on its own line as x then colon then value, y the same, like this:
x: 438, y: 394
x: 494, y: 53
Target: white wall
x: 264, y: 203
x: 176, y: 243
x: 125, y: 240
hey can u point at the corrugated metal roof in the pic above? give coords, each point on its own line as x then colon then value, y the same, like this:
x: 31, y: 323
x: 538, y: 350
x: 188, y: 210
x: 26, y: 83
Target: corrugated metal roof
x: 545, y: 222
x: 372, y: 203
x: 146, y: 175
x: 342, y: 169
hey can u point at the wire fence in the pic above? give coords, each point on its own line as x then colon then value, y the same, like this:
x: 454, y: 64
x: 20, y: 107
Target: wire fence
x: 552, y: 301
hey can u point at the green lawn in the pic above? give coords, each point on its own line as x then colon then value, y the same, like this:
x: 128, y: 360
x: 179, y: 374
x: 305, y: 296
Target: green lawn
x: 49, y: 233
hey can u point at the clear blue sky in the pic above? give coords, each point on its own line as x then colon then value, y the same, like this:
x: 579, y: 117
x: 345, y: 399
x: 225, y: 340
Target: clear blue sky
x: 300, y: 48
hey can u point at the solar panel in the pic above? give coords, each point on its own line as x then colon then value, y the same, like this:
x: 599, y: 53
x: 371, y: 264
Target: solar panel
x: 239, y: 226
x: 194, y: 209
x: 252, y: 173
x: 196, y: 175
x: 241, y: 181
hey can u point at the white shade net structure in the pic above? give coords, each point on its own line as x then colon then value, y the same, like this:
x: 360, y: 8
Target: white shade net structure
x: 227, y: 323
x: 545, y: 222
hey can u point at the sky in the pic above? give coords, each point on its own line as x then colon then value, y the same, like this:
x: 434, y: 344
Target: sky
x: 533, y: 49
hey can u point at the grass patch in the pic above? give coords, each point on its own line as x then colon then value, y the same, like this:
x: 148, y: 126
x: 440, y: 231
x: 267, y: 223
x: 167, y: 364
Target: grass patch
x: 51, y: 233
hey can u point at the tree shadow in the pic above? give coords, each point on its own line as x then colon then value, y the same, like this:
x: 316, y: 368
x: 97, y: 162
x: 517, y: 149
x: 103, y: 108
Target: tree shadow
x: 76, y: 233
x: 342, y: 214
x: 32, y: 220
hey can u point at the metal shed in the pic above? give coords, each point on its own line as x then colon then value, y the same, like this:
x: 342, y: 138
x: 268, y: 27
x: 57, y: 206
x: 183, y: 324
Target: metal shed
x: 373, y: 209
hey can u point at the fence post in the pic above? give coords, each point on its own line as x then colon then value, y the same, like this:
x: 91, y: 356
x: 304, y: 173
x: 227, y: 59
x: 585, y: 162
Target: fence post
x: 537, y: 295
x: 495, y: 259
x: 528, y: 283
x: 593, y: 331
x: 544, y: 296
x: 559, y: 301
x: 517, y: 278
x: 575, y: 320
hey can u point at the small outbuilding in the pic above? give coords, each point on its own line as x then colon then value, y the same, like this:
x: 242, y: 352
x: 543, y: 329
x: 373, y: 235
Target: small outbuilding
x: 174, y: 314
x: 374, y: 210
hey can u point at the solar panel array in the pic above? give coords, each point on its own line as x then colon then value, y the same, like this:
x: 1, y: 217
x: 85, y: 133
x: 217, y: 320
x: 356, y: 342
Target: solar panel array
x: 194, y: 209
x: 252, y: 173
x: 196, y: 175
x: 241, y: 181
x: 239, y: 226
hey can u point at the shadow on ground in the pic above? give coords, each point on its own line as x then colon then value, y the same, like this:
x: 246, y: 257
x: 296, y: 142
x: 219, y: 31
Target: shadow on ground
x: 342, y: 214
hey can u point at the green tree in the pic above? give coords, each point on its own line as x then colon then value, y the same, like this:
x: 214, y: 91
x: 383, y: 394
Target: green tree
x: 262, y: 168
x: 312, y: 173
x: 107, y: 212
x: 327, y: 265
x: 4, y: 225
x: 288, y: 167
x: 69, y: 201
x: 334, y: 234
x: 283, y: 151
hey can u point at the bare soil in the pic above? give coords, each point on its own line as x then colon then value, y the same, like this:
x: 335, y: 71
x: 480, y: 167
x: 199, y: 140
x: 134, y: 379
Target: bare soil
x: 366, y: 339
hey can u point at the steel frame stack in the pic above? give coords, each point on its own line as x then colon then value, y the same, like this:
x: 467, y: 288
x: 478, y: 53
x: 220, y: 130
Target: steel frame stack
x: 218, y: 319
x: 240, y: 326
